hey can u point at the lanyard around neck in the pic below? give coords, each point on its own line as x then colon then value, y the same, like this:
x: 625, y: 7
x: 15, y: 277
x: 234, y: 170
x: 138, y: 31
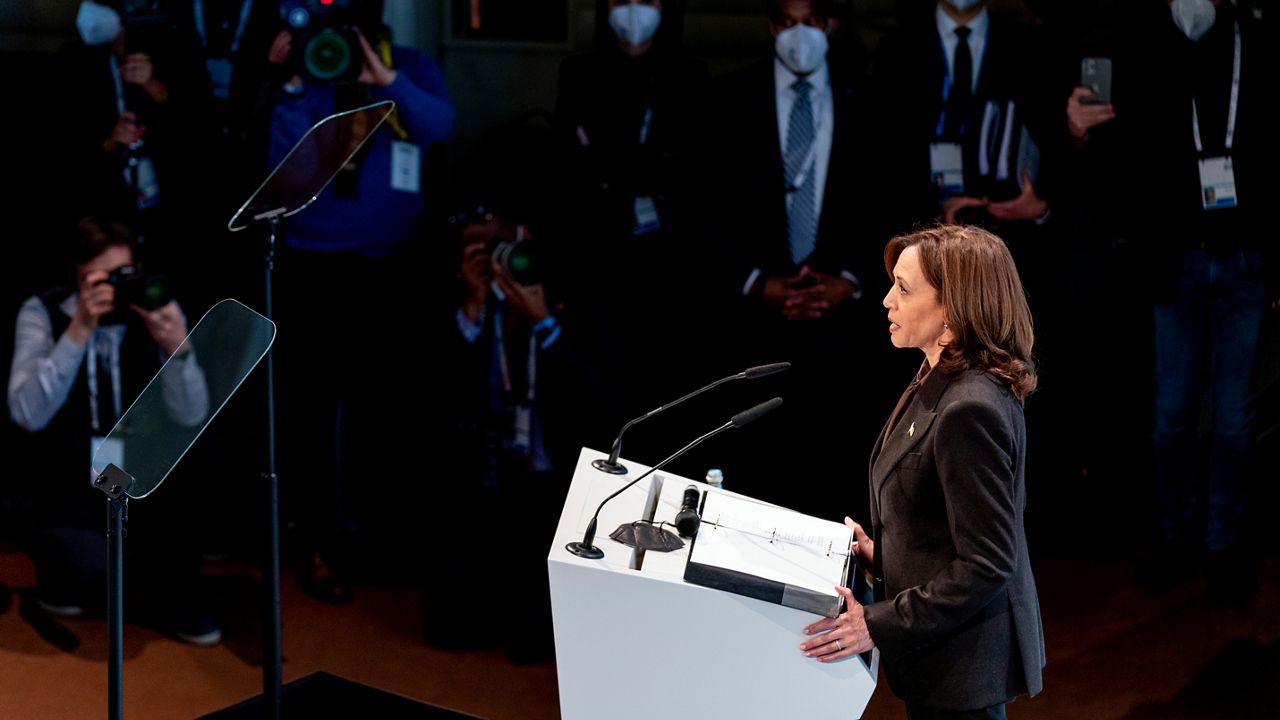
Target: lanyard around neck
x: 1231, y: 109
x: 531, y: 367
x: 245, y: 8
x: 113, y: 361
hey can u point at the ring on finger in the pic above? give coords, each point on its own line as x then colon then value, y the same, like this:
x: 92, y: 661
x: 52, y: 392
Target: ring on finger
x: 839, y: 647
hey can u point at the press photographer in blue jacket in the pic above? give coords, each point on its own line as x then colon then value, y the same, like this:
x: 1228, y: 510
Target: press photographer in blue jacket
x: 351, y: 279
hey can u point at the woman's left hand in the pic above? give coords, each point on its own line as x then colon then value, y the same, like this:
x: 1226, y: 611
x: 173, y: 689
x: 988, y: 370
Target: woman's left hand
x: 954, y: 205
x: 530, y: 301
x: 374, y: 72
x: 843, y: 636
x: 166, y: 325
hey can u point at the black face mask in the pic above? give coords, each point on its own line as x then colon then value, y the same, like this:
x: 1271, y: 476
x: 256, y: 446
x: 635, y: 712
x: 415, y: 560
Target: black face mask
x: 644, y: 536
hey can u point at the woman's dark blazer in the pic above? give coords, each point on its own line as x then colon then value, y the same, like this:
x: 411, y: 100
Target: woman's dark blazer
x: 956, y: 617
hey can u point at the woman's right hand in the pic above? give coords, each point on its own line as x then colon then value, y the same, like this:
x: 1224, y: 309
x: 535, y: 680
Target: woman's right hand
x: 477, y: 273
x: 125, y: 133
x: 1083, y: 117
x: 138, y: 70
x: 863, y: 547
x: 281, y: 46
x: 97, y: 297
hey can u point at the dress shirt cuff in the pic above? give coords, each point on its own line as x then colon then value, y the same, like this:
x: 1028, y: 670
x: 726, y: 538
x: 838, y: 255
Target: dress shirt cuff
x: 547, y: 331
x: 749, y: 287
x: 184, y: 367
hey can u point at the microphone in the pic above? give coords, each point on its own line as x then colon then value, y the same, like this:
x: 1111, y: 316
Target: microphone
x: 754, y: 413
x: 613, y: 467
x: 688, y: 520
x: 586, y: 549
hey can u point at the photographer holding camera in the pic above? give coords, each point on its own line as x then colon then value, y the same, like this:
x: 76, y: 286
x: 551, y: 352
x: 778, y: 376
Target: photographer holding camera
x: 349, y: 278
x: 515, y: 383
x: 81, y: 357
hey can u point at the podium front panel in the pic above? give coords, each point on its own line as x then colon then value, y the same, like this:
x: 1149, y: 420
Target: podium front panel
x: 644, y: 643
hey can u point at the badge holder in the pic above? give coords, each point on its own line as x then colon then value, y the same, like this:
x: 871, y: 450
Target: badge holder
x: 294, y: 184
x: 158, y: 429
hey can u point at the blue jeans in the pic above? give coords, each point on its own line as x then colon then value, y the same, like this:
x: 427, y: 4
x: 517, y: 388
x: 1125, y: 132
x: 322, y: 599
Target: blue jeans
x: 1207, y: 335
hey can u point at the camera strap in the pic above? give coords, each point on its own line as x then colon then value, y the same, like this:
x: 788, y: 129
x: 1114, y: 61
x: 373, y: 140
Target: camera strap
x: 139, y: 172
x: 115, y: 75
x: 520, y: 430
x: 531, y: 367
x: 383, y: 48
x: 104, y: 356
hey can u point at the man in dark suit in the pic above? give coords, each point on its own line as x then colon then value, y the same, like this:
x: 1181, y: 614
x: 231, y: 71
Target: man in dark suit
x: 785, y: 182
x: 517, y: 394
x: 967, y: 111
x: 626, y: 123
x: 974, y: 128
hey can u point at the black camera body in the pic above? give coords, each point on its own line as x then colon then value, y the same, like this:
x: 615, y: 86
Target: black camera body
x: 515, y: 256
x: 149, y: 292
x: 325, y: 45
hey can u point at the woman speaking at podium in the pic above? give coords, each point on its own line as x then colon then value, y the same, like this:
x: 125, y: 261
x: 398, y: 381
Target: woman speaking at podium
x: 955, y: 615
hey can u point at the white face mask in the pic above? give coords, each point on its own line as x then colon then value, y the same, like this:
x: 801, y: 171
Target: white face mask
x: 801, y: 48
x: 98, y: 24
x: 1193, y: 17
x: 635, y: 24
x: 962, y: 5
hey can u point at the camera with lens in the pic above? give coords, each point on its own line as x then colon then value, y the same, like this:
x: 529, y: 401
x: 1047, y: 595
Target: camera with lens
x: 517, y: 259
x: 325, y: 44
x: 133, y: 287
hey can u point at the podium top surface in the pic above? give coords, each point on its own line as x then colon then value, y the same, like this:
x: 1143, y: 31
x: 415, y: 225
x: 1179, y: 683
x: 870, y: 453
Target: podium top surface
x: 583, y: 499
x: 592, y: 486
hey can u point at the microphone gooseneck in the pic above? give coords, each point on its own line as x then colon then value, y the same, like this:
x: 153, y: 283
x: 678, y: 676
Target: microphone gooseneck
x: 586, y: 547
x: 613, y: 467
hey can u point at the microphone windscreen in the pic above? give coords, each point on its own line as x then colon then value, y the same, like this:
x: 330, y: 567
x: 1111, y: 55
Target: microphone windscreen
x: 687, y: 520
x: 747, y: 416
x: 763, y: 370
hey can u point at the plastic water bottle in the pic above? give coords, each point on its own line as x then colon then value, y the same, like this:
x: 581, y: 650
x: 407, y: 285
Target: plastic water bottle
x: 715, y: 478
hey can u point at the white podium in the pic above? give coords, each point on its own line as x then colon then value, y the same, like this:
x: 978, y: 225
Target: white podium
x: 643, y: 643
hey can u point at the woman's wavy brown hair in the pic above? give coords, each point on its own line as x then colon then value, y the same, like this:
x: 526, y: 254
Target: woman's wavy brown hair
x: 983, y: 300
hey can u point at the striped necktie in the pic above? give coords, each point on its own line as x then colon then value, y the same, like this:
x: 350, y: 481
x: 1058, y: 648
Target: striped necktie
x: 798, y: 164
